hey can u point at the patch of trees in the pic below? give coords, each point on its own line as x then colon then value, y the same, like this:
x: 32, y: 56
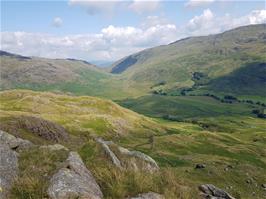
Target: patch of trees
x: 184, y: 90
x: 230, y: 99
x: 226, y: 99
x: 261, y: 113
x: 200, y: 79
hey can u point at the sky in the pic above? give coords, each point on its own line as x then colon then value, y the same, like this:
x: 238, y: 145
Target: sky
x: 105, y: 31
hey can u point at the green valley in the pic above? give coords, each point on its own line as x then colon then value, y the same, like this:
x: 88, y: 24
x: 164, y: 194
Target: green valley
x: 165, y: 120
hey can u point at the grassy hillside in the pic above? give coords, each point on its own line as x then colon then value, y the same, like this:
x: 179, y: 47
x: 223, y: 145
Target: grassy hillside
x: 174, y: 66
x: 79, y: 115
x: 234, y: 152
x: 61, y: 75
x: 248, y: 80
x: 230, y: 62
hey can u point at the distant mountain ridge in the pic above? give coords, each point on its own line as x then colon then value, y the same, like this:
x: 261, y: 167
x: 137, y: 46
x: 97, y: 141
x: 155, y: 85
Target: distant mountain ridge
x: 250, y: 33
x: 193, y: 62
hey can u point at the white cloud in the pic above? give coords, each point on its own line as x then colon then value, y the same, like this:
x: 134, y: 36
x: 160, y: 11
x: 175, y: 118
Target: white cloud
x: 197, y: 3
x: 143, y: 6
x: 202, y: 21
x: 209, y: 23
x: 255, y: 17
x: 112, y: 42
x: 57, y: 22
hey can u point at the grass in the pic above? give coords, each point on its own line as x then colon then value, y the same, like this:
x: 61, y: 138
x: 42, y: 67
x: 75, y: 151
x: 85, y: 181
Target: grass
x: 36, y: 167
x: 81, y: 115
x: 230, y: 135
x: 184, y: 107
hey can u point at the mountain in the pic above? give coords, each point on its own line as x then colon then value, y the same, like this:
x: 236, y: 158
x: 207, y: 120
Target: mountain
x: 18, y: 69
x: 175, y: 65
x: 60, y: 75
x: 206, y: 100
x: 194, y: 66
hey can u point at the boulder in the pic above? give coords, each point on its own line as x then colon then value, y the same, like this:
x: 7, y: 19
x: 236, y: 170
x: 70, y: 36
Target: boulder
x: 8, y: 169
x: 209, y: 191
x: 108, y: 151
x: 136, y: 160
x: 54, y: 147
x: 149, y: 195
x: 152, y: 165
x: 14, y: 143
x: 74, y: 181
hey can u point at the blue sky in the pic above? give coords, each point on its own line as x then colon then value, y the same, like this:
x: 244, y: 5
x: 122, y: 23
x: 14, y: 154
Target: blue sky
x: 97, y: 30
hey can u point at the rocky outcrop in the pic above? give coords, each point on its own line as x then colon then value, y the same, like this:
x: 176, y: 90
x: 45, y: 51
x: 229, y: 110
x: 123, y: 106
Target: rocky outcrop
x: 14, y: 143
x: 8, y: 169
x: 137, y: 154
x: 109, y: 153
x: 74, y: 181
x: 54, y: 147
x: 135, y: 160
x: 9, y: 146
x: 209, y: 191
x: 43, y: 128
x: 149, y: 195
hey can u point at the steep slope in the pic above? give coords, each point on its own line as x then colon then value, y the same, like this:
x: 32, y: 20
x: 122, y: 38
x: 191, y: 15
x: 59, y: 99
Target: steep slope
x: 67, y: 75
x: 17, y: 69
x: 247, y: 80
x: 173, y: 65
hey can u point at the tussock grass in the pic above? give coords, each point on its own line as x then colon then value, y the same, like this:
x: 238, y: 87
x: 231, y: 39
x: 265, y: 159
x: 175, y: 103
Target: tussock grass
x: 36, y: 166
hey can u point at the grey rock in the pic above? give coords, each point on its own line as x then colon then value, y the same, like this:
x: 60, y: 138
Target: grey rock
x: 149, y: 195
x: 8, y: 169
x: 74, y: 181
x: 54, y: 147
x: 149, y: 164
x: 108, y: 151
x: 14, y: 142
x: 140, y: 155
x: 211, y: 192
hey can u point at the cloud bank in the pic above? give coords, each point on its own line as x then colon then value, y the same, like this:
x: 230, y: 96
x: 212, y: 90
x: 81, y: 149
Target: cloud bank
x: 113, y: 42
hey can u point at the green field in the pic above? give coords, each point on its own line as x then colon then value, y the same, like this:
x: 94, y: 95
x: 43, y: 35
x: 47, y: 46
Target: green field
x: 186, y: 107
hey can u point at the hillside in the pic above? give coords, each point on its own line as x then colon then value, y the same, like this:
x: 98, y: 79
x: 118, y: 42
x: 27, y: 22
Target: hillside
x: 78, y: 115
x: 174, y: 66
x: 207, y: 64
x: 60, y: 75
x: 233, y: 156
